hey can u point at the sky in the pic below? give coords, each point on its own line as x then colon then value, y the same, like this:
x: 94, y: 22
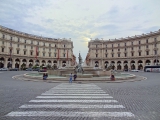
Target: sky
x: 81, y: 20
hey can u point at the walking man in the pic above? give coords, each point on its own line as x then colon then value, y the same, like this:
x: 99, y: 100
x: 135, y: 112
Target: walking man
x: 70, y: 78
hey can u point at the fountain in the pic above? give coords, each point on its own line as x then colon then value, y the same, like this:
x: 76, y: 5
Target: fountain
x: 83, y: 72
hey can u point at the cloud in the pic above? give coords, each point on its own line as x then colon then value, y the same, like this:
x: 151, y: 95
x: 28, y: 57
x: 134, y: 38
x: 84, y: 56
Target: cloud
x: 81, y: 20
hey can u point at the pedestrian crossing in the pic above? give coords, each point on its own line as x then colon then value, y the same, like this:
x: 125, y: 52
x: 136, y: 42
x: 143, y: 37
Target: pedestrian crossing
x: 73, y: 100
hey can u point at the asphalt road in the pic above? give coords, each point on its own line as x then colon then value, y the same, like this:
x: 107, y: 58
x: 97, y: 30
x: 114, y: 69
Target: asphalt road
x: 141, y: 98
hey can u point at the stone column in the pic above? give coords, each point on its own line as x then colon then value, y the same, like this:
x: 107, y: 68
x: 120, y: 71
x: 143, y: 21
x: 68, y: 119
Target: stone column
x: 27, y: 63
x: 5, y: 62
x: 13, y: 63
x: 136, y: 64
x: 144, y: 64
x: 115, y: 65
x: 122, y: 65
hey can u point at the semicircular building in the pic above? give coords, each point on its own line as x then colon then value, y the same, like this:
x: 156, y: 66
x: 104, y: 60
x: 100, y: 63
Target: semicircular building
x: 22, y: 50
x: 126, y: 53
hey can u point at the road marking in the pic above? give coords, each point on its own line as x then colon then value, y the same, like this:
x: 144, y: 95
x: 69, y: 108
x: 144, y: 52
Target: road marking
x: 74, y: 97
x: 75, y: 94
x: 67, y: 92
x: 70, y: 97
x: 72, y: 114
x: 71, y: 106
x: 71, y: 101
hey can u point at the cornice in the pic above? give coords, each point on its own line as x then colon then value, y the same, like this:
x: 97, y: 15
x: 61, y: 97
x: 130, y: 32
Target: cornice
x: 31, y: 36
x: 151, y: 34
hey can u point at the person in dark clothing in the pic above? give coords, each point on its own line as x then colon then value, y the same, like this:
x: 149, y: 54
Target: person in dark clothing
x: 75, y: 76
x: 45, y: 75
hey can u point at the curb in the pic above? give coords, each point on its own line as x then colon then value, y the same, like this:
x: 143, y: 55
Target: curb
x: 140, y: 78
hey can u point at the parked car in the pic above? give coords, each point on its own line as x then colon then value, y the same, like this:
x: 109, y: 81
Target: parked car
x: 134, y: 70
x: 42, y: 70
x: 29, y: 69
x: 14, y: 69
x: 3, y: 69
x: 36, y: 69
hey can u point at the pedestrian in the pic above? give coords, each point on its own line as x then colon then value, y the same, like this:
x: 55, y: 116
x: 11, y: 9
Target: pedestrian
x: 70, y: 78
x: 75, y: 76
x: 112, y: 77
x: 45, y: 75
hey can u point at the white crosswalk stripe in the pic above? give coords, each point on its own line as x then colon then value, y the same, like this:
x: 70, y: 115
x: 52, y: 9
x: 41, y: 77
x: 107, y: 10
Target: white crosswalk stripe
x: 73, y: 96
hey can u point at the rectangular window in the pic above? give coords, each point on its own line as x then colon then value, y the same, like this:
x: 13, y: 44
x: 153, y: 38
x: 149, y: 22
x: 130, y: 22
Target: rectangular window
x: 54, y: 54
x: 24, y: 52
x: 112, y: 55
x: 125, y: 44
x: 31, y: 53
x: 106, y: 50
x: 139, y: 53
x: 147, y: 52
x: 43, y: 44
x: 96, y: 46
x: 132, y: 54
x: 112, y: 45
x: 106, y: 55
x: 155, y: 52
x: 37, y: 53
x: 43, y: 48
x: 118, y: 49
x: 17, y: 45
x: 31, y: 42
x: 24, y: 46
x: 146, y: 46
x: 49, y: 45
x: 50, y: 49
x: 64, y: 46
x: 2, y: 49
x: 17, y: 51
x: 10, y: 50
x: 147, y: 41
x: 49, y: 54
x: 55, y: 50
x: 125, y: 54
x: 132, y: 43
x: 96, y: 55
x: 118, y: 45
x: 11, y: 38
x: 139, y: 42
x: 118, y: 55
x: 155, y: 45
x: 125, y: 49
x: 24, y: 41
x: 3, y: 36
x: 37, y: 43
x: 64, y: 50
x: 139, y: 47
x: 132, y: 48
x: 43, y: 54
x: 112, y: 50
x: 64, y: 55
x: 31, y: 47
x: 18, y: 39
x: 155, y: 39
x: 106, y: 46
x: 96, y: 50
x: 3, y: 42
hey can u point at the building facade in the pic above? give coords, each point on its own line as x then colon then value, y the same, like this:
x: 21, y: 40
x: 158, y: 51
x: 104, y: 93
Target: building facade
x: 125, y: 53
x: 18, y: 49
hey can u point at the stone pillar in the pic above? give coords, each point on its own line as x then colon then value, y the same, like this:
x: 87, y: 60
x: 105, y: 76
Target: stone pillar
x: 152, y: 62
x: 122, y: 65
x: 27, y: 64
x: 13, y: 63
x: 5, y: 62
x: 144, y: 64
x: 136, y: 64
x: 115, y: 65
